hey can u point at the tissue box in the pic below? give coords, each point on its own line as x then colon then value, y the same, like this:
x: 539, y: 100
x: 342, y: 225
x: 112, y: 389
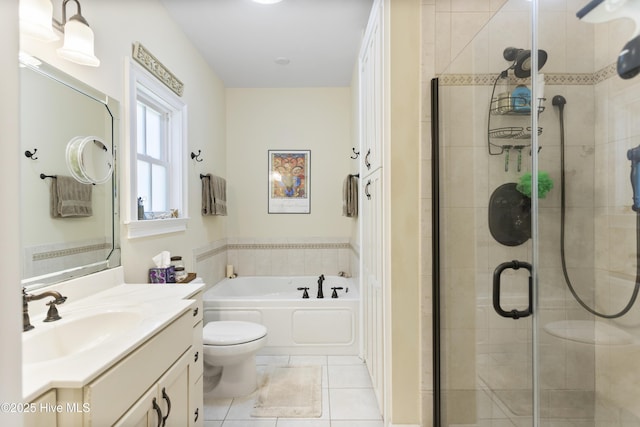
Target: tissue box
x: 162, y: 275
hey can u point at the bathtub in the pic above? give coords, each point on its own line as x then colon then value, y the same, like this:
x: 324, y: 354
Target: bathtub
x: 295, y: 325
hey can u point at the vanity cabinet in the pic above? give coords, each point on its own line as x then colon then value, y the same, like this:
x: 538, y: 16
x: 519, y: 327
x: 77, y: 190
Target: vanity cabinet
x: 137, y: 390
x: 196, y: 366
x: 180, y: 387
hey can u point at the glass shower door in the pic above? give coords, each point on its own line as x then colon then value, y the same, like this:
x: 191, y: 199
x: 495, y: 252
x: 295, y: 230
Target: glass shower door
x: 538, y: 240
x: 485, y: 331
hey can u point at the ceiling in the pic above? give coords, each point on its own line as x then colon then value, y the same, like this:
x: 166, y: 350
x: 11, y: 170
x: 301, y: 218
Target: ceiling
x: 242, y: 40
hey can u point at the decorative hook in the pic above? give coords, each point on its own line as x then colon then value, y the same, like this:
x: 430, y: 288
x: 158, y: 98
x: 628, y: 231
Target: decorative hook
x: 356, y: 153
x: 31, y: 155
x: 196, y: 156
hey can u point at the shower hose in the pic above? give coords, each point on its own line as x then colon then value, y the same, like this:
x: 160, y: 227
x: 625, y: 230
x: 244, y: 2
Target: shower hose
x: 559, y: 101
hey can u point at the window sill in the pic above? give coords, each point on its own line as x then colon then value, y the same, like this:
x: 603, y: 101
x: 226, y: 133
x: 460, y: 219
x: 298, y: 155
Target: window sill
x: 154, y: 227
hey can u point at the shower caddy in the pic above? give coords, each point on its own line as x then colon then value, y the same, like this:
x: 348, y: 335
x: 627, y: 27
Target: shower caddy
x: 502, y: 139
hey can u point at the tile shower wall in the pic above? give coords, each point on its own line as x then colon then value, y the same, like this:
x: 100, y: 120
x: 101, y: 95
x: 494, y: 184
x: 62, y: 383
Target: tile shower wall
x: 277, y: 257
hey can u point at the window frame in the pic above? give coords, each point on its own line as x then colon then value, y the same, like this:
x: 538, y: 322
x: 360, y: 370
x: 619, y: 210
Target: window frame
x: 142, y: 85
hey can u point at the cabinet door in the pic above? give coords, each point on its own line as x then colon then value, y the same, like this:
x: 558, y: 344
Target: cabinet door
x: 144, y: 413
x: 372, y: 280
x: 39, y: 417
x: 166, y: 403
x: 371, y: 93
x: 173, y: 393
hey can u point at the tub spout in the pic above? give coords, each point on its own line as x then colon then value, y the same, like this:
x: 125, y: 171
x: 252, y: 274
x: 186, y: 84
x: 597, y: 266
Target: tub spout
x: 320, y: 281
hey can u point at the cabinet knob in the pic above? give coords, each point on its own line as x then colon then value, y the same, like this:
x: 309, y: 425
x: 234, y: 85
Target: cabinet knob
x: 195, y: 357
x: 195, y: 312
x: 197, y: 414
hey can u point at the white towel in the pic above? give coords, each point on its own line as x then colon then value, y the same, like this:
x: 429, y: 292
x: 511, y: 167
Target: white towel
x: 70, y: 198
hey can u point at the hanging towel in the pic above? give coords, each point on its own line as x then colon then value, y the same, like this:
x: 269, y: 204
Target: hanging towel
x: 70, y: 198
x: 350, y: 197
x: 207, y: 200
x: 214, y: 195
x: 219, y: 189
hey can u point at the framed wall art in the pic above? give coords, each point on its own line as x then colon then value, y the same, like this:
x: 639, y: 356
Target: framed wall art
x: 289, y: 181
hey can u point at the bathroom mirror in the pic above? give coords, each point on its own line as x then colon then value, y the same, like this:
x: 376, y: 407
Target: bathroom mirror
x: 68, y: 139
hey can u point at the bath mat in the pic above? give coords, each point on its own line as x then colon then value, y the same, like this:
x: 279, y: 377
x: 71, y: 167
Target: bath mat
x: 290, y: 392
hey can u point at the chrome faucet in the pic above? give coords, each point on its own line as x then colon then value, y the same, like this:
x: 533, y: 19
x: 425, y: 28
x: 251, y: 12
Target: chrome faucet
x: 52, y: 314
x: 320, y: 280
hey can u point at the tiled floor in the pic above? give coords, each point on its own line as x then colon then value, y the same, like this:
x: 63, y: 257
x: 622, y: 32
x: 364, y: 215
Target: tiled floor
x: 348, y: 399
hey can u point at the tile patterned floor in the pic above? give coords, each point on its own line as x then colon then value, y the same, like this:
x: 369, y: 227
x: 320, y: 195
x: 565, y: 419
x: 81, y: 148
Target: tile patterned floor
x: 348, y: 399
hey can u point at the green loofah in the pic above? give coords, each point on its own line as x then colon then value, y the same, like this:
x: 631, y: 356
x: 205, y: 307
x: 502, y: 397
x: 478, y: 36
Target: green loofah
x: 544, y: 184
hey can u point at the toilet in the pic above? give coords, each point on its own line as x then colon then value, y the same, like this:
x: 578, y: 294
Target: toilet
x: 229, y: 349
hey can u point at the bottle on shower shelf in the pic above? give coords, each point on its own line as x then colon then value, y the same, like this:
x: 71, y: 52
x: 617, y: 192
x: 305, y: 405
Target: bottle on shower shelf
x: 521, y: 99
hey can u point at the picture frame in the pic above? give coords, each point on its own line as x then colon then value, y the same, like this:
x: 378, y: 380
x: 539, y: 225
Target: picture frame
x: 289, y: 181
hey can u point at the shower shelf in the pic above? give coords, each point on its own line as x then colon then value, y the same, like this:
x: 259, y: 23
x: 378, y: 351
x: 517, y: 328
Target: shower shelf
x: 512, y: 132
x: 503, y: 105
x: 502, y: 111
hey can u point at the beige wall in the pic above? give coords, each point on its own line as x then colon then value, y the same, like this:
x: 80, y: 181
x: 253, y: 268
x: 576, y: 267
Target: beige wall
x: 147, y: 21
x: 316, y: 119
x: 10, y: 308
x: 401, y: 172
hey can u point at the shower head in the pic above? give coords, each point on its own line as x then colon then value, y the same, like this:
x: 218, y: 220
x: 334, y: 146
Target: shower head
x: 521, y: 58
x: 598, y: 11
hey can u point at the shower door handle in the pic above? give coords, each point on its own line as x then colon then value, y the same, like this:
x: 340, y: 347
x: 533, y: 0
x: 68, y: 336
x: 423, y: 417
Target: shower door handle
x: 497, y: 273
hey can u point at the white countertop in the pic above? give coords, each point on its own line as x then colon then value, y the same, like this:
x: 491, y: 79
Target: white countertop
x: 157, y: 304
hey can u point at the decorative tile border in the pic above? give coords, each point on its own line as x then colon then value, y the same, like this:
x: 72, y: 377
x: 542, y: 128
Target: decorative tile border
x: 211, y: 253
x: 272, y: 246
x: 574, y: 79
x: 70, y: 251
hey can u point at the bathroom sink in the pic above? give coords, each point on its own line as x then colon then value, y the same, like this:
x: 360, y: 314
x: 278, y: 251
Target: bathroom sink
x: 71, y: 336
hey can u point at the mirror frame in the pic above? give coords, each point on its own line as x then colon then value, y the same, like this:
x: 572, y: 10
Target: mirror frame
x: 112, y: 106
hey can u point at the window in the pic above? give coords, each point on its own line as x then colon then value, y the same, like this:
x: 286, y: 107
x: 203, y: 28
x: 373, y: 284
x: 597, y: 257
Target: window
x: 157, y: 146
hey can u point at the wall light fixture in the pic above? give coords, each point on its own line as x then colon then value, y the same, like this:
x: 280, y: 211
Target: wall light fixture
x: 36, y: 21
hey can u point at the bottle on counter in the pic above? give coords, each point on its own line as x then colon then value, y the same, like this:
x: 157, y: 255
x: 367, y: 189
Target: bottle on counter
x: 178, y: 265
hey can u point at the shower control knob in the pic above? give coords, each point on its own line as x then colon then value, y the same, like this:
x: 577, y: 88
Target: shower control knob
x: 305, y: 294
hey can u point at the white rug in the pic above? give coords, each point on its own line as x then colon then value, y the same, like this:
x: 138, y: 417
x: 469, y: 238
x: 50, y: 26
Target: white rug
x: 290, y: 392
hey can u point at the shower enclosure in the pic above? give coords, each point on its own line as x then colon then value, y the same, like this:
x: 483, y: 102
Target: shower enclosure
x: 514, y: 347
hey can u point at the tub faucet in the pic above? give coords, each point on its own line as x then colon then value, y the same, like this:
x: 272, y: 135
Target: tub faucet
x: 320, y: 280
x: 52, y: 314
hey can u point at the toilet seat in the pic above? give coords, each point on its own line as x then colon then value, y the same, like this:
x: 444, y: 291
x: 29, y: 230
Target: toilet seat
x: 231, y: 332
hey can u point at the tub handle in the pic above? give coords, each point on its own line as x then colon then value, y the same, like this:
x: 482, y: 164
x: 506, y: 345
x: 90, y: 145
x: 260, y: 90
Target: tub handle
x: 334, y: 294
x: 305, y: 294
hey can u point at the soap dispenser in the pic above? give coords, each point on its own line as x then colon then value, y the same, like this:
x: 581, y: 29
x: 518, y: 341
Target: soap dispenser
x: 521, y: 99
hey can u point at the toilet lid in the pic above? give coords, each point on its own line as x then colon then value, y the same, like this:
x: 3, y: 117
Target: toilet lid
x: 229, y: 332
